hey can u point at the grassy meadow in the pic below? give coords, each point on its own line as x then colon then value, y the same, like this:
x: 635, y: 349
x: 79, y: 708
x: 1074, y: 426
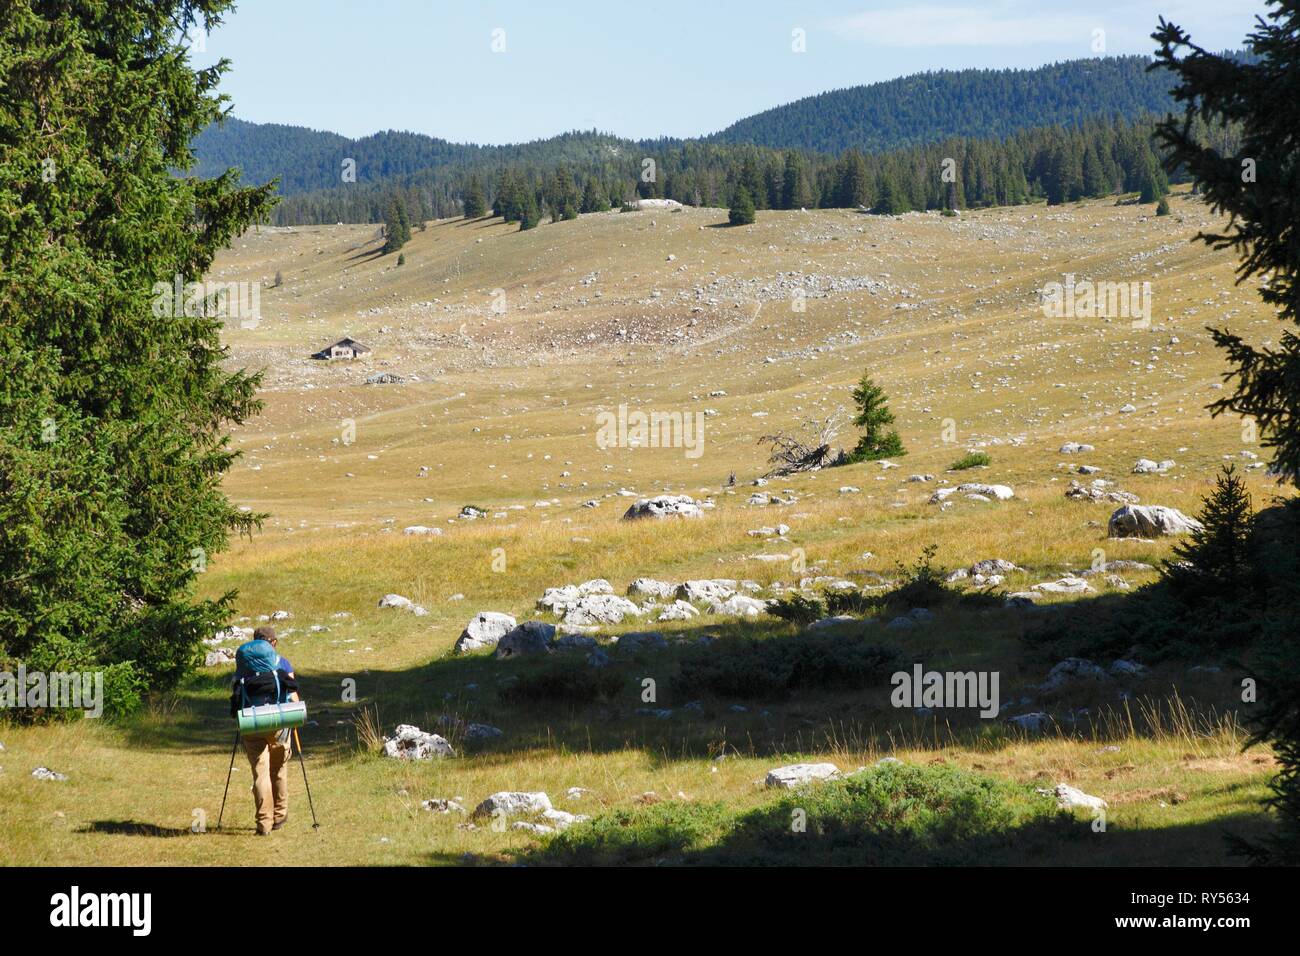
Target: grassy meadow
x: 510, y: 344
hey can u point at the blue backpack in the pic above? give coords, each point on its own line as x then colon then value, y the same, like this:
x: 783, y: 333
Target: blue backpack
x: 259, y: 664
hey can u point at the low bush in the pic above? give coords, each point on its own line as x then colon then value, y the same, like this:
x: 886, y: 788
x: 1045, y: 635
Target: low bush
x: 798, y: 608
x: 972, y: 459
x: 891, y: 815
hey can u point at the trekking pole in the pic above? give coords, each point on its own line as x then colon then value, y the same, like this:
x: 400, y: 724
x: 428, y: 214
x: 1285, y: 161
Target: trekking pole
x: 303, y: 763
x: 229, y: 774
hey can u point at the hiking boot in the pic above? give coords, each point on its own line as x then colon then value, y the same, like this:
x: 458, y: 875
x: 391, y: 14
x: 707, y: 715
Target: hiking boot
x: 280, y: 823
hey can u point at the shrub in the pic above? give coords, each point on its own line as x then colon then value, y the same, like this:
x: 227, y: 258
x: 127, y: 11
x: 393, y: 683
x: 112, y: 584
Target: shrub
x: 923, y: 584
x: 972, y: 459
x: 798, y: 608
x: 891, y: 815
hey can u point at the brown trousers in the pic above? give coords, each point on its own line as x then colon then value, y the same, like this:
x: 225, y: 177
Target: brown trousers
x: 269, y: 758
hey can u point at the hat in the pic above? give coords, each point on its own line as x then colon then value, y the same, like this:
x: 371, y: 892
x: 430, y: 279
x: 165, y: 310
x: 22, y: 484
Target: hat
x: 265, y: 633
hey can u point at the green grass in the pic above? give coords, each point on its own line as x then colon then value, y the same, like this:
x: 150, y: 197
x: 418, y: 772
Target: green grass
x: 972, y: 459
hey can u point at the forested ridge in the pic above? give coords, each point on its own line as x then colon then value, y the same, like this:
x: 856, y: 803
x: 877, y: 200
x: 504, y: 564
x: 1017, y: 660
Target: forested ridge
x: 940, y: 140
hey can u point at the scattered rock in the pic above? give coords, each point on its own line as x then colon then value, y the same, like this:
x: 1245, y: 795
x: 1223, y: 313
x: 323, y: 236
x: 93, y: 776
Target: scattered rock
x: 738, y: 605
x: 482, y: 732
x: 405, y: 604
x: 1145, y: 466
x: 642, y: 640
x: 485, y: 629
x: 528, y: 639
x: 1071, y: 669
x: 1067, y: 797
x: 800, y: 773
x: 1067, y: 585
x: 1097, y: 491
x: 1149, y: 521
x: 664, y: 506
x: 574, y: 642
x: 437, y: 805
x: 718, y: 589
x: 1000, y: 492
x: 597, y: 609
x: 411, y: 743
x: 538, y: 829
x: 837, y: 620
x: 1036, y: 721
x: 45, y: 773
x: 513, y: 803
x: 678, y: 611
x: 1122, y: 668
x: 650, y: 588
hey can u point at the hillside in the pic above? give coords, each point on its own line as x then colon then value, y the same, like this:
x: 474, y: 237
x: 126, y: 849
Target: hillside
x: 308, y: 160
x: 925, y: 107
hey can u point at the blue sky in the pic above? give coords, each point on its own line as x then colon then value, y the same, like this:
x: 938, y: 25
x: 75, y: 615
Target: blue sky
x: 639, y: 69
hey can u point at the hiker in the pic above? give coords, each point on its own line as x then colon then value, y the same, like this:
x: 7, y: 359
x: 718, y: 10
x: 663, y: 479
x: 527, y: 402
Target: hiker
x: 262, y: 676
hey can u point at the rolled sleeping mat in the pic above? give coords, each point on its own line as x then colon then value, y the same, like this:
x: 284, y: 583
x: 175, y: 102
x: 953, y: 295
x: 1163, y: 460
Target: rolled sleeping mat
x: 269, y: 718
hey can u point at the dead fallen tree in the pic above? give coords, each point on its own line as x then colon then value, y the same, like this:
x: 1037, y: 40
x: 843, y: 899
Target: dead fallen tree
x: 809, y: 449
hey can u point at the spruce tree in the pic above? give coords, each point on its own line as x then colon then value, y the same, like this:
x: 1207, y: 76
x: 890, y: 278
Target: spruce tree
x: 852, y: 184
x: 594, y: 197
x: 1256, y: 187
x: 115, y: 405
x: 403, y: 221
x: 1214, y: 563
x: 1152, y: 184
x: 393, y: 229
x: 890, y: 199
x: 878, y: 441
x: 751, y: 180
x: 530, y: 213
x: 742, y: 208
x: 474, y: 204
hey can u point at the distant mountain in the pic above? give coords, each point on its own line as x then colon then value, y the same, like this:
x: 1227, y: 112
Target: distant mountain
x: 1066, y: 130
x: 307, y: 160
x: 910, y: 111
x: 918, y: 109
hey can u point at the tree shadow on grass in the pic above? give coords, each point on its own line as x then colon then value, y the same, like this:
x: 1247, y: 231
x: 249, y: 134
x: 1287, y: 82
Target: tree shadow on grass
x: 758, y: 688
x: 765, y: 837
x: 134, y: 828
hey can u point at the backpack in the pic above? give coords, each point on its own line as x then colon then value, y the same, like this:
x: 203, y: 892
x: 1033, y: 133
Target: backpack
x: 262, y: 683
